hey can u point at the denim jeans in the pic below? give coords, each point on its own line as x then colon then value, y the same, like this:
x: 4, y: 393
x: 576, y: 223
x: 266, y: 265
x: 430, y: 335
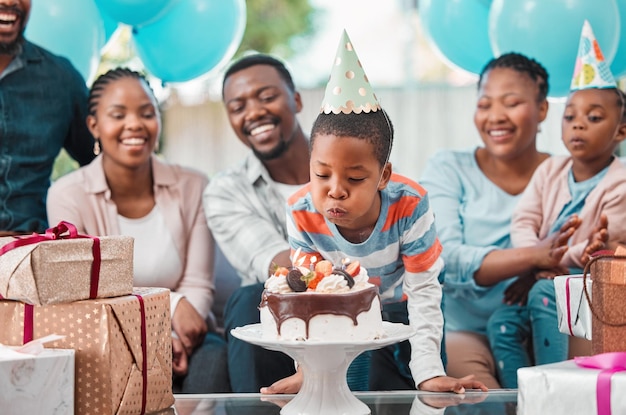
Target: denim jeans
x: 251, y: 367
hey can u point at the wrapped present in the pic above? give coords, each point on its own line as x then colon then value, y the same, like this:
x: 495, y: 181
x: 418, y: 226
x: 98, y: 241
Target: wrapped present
x: 123, y: 347
x: 609, y: 302
x: 41, y: 383
x: 580, y: 386
x: 572, y: 308
x: 62, y: 266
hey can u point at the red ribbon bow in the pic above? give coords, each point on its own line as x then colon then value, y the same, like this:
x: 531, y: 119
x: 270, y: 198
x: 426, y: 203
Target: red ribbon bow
x: 58, y: 232
x: 609, y: 363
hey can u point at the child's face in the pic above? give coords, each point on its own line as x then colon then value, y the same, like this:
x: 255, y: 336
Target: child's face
x: 591, y: 125
x: 127, y: 122
x: 345, y: 180
x: 507, y: 112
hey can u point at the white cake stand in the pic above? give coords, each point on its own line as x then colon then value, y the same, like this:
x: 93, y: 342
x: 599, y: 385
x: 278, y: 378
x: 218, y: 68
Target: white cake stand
x: 325, y: 366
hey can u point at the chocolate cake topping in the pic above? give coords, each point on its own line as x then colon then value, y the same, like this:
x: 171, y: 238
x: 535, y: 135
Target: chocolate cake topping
x: 348, y: 277
x: 295, y: 280
x: 308, y: 305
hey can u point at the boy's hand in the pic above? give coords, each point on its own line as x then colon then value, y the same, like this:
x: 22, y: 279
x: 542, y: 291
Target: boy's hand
x: 450, y: 384
x: 290, y: 384
x: 517, y: 292
x: 597, y: 240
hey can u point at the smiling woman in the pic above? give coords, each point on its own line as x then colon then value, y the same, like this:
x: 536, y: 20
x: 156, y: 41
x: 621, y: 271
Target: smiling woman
x: 127, y: 190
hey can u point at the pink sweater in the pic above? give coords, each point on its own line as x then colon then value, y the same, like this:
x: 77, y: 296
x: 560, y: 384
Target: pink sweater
x: 548, y: 192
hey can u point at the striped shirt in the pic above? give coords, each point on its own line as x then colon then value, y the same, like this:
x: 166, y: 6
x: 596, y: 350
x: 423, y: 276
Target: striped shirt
x: 403, y: 244
x: 402, y: 257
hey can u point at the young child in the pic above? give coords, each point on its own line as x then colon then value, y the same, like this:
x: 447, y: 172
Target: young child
x: 588, y: 186
x: 355, y: 207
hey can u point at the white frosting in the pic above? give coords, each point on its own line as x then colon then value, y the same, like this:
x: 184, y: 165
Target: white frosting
x: 277, y: 284
x: 325, y: 327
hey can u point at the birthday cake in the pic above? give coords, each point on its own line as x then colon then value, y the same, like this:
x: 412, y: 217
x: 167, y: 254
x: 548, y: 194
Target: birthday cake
x: 321, y: 303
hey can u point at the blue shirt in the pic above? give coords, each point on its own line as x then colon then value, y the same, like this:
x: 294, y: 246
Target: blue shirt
x: 43, y: 108
x: 473, y: 218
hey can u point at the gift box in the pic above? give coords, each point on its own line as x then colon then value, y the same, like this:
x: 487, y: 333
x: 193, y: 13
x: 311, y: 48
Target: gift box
x: 573, y: 387
x: 37, y: 384
x: 56, y: 268
x: 572, y: 308
x: 123, y: 347
x: 608, y: 306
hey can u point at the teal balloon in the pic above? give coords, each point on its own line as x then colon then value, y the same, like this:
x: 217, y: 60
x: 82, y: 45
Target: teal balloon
x: 70, y: 28
x: 458, y: 31
x: 193, y: 38
x: 110, y: 26
x: 618, y: 66
x: 549, y: 31
x: 135, y: 12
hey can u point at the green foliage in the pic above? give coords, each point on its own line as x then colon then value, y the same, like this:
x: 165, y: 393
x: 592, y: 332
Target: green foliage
x: 272, y: 23
x: 63, y: 165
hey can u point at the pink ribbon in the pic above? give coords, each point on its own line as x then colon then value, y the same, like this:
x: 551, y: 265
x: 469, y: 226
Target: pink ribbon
x: 569, y: 311
x: 58, y: 232
x: 608, y: 363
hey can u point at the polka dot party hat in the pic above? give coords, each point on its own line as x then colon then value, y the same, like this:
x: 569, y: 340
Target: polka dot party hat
x: 348, y: 89
x: 591, y: 70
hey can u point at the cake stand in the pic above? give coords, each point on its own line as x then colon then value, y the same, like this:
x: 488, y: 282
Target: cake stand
x: 325, y: 365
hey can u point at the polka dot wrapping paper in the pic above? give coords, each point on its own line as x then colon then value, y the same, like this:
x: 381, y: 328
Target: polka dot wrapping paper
x: 123, y: 347
x: 60, y: 271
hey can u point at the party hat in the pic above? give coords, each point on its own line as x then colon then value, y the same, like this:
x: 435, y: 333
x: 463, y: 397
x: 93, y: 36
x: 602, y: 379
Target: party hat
x: 348, y: 89
x: 591, y: 70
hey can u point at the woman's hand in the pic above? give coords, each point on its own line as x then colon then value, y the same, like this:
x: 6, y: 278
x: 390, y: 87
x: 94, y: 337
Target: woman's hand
x: 188, y: 325
x: 179, y: 358
x: 517, y: 291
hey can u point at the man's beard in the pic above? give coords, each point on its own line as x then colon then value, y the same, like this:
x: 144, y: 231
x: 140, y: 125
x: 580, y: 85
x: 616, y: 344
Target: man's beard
x: 274, y: 153
x: 15, y: 47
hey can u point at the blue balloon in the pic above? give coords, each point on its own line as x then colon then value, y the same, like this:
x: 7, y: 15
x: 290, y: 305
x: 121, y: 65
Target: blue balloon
x: 69, y: 28
x: 549, y: 31
x: 618, y: 66
x: 135, y: 12
x: 458, y: 31
x: 110, y: 26
x: 195, y: 37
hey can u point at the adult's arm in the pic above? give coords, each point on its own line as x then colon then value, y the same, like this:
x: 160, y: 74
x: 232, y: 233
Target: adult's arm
x: 66, y: 201
x: 249, y: 240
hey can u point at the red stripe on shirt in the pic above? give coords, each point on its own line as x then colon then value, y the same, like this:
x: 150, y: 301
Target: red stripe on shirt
x: 424, y: 260
x: 310, y: 222
x: 300, y: 193
x: 400, y: 209
x: 405, y: 180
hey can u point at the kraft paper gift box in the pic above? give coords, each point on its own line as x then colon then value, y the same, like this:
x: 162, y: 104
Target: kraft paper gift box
x: 53, y: 268
x: 123, y: 347
x: 572, y: 308
x: 36, y: 384
x: 608, y: 306
x: 565, y: 388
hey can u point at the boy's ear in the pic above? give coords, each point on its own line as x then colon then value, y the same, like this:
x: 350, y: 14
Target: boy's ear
x: 384, y: 178
x: 543, y: 110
